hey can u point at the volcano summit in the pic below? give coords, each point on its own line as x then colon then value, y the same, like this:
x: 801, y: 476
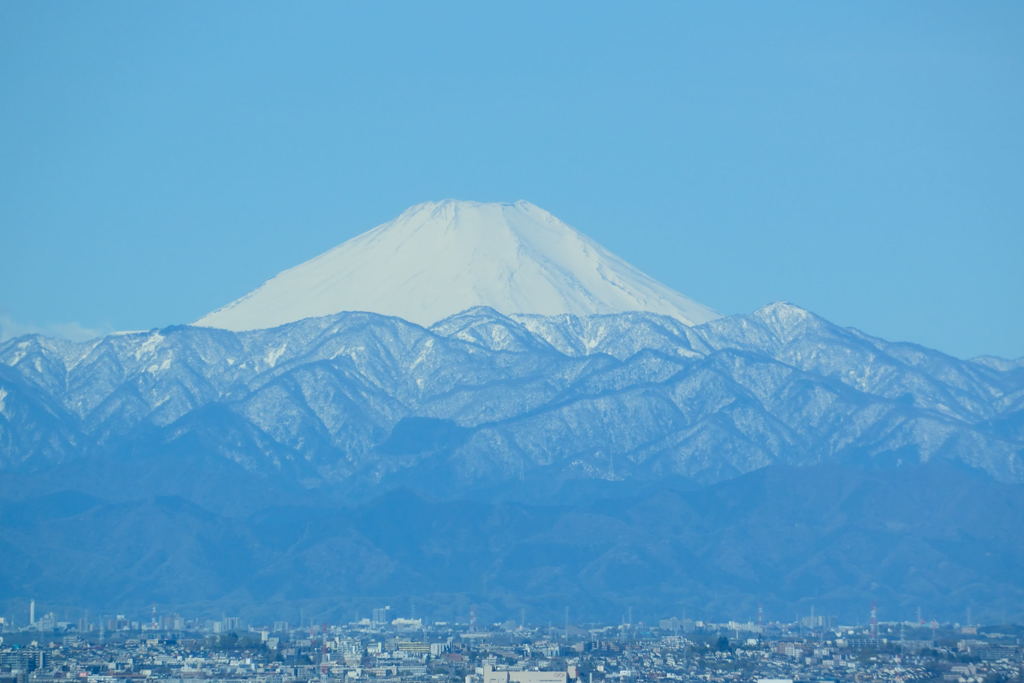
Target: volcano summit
x: 439, y: 258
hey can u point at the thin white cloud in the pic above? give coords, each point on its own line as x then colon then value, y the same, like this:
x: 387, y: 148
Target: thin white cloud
x: 9, y: 327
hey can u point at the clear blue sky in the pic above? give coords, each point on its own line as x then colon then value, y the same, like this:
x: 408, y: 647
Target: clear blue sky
x: 862, y: 159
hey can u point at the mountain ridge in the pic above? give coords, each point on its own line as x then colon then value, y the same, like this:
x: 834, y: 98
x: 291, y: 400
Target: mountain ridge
x: 350, y: 378
x: 835, y: 536
x: 605, y: 460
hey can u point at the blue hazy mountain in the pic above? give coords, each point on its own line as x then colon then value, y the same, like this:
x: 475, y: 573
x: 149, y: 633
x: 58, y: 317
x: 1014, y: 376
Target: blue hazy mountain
x: 525, y: 420
x: 509, y: 460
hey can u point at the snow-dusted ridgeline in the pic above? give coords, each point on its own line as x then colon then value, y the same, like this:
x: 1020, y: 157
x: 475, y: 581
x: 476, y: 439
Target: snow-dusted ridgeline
x: 569, y: 394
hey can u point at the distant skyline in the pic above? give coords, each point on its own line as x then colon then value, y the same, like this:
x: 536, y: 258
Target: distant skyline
x: 862, y: 160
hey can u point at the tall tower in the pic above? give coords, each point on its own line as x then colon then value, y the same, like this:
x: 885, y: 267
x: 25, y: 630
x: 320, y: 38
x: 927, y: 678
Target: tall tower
x: 874, y: 620
x: 32, y: 612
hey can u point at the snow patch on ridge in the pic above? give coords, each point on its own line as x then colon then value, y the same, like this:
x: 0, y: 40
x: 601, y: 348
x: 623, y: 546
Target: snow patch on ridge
x: 149, y: 346
x: 274, y: 354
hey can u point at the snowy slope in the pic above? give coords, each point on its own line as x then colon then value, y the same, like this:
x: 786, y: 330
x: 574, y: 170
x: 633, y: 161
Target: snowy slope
x: 439, y: 258
x: 319, y: 400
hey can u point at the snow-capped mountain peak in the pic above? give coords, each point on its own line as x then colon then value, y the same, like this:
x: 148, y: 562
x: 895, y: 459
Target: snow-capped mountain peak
x: 439, y: 258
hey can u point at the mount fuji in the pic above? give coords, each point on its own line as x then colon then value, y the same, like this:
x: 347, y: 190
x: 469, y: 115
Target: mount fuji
x: 439, y: 258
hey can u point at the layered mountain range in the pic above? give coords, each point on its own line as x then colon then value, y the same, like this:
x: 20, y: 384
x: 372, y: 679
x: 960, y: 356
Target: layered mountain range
x: 482, y: 399
x: 624, y: 446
